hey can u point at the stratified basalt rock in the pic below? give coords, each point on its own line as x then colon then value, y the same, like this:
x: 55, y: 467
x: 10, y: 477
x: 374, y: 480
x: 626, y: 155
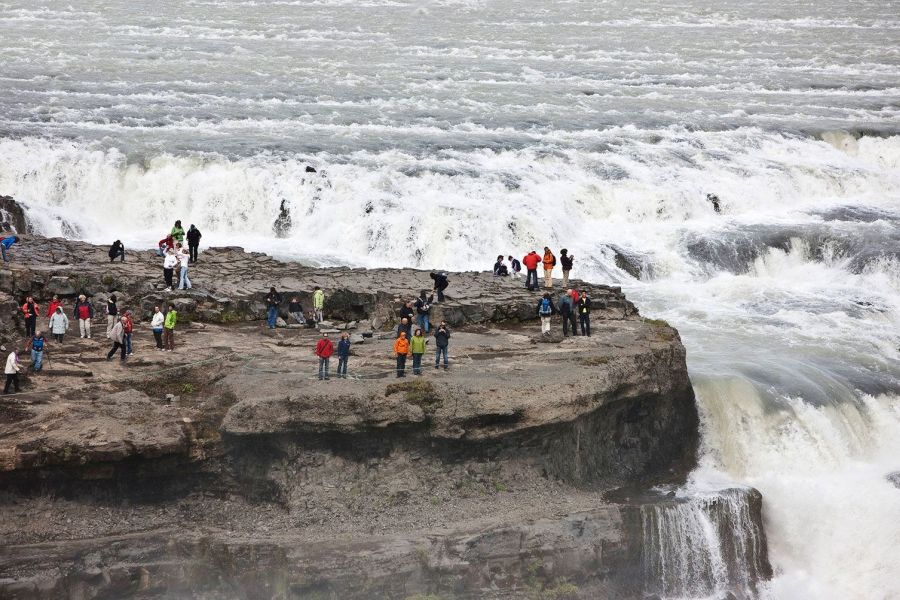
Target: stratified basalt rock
x: 227, y: 469
x: 12, y: 213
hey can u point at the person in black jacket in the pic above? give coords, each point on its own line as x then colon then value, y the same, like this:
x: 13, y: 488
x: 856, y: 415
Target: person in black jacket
x: 515, y: 266
x: 440, y: 284
x: 117, y: 250
x: 193, y: 238
x: 566, y: 261
x: 273, y: 301
x: 441, y: 343
x: 423, y: 311
x: 584, y: 314
x: 567, y: 311
x: 408, y: 312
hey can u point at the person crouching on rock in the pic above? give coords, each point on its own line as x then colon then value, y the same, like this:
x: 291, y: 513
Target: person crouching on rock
x: 545, y: 311
x: 117, y: 335
x: 343, y: 352
x: 324, y: 350
x: 295, y: 309
x: 440, y: 284
x: 117, y: 250
x: 59, y: 324
x: 401, y: 351
x: 169, y: 329
x: 500, y: 269
x: 6, y: 243
x: 164, y: 245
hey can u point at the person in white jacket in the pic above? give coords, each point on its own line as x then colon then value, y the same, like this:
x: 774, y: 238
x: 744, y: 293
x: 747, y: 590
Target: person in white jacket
x: 184, y: 282
x: 59, y: 324
x: 12, y: 372
x: 156, y: 324
x: 168, y: 267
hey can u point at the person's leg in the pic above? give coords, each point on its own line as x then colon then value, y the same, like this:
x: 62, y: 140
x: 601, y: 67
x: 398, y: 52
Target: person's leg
x: 417, y: 362
x: 321, y: 368
x: 122, y: 350
x: 440, y: 295
x: 3, y: 251
x: 587, y: 321
x: 188, y: 280
x: 112, y: 351
x: 271, y: 313
x: 87, y: 327
x: 427, y: 321
x: 565, y: 327
x: 545, y: 325
x: 128, y: 349
x: 573, y: 323
x: 122, y: 256
x: 34, y: 360
x: 166, y: 339
x: 157, y: 336
x: 327, y: 364
x: 445, y: 350
x: 110, y: 323
x: 9, y: 380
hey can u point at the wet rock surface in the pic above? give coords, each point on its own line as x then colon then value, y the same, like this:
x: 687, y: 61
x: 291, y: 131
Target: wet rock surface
x: 226, y: 469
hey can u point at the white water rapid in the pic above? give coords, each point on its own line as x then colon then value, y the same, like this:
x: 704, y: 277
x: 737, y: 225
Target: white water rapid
x: 445, y: 133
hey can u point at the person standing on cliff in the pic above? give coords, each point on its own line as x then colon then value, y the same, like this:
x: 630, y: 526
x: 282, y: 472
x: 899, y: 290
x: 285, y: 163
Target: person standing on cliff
x: 584, y: 314
x: 324, y: 350
x: 442, y: 345
x: 440, y: 284
x: 30, y: 310
x: 127, y: 328
x: 169, y: 329
x: 417, y: 347
x: 184, y: 282
x: 117, y: 250
x: 112, y: 314
x: 401, y: 351
x: 59, y: 324
x: 12, y: 372
x: 193, y: 238
x: 407, y: 312
x: 177, y: 232
x: 117, y: 335
x: 343, y: 352
x: 549, y: 262
x: 566, y: 261
x: 319, y: 304
x: 84, y: 312
x: 156, y: 324
x: 545, y: 311
x: 531, y: 261
x: 169, y: 263
x: 423, y: 311
x: 567, y: 311
x: 273, y: 301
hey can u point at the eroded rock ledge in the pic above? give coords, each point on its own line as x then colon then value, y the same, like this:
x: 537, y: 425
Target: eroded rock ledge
x: 226, y: 470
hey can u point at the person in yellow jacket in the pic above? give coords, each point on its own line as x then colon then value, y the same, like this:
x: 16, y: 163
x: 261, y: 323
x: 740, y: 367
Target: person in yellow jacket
x: 401, y: 350
x: 169, y: 329
x: 417, y: 347
x: 319, y: 304
x: 549, y: 262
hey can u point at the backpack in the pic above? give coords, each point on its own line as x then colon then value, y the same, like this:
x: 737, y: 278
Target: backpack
x: 545, y: 307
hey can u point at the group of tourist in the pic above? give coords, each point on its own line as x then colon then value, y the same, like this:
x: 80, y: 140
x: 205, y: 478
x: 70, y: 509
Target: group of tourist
x: 531, y: 261
x: 274, y: 301
x: 176, y: 255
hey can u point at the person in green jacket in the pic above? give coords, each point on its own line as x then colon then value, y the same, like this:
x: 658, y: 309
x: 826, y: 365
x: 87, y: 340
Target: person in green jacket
x: 319, y: 304
x: 417, y: 346
x: 178, y: 232
x: 169, y: 329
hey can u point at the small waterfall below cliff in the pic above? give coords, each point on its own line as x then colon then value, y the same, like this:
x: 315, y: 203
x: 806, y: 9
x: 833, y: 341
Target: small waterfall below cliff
x: 704, y: 546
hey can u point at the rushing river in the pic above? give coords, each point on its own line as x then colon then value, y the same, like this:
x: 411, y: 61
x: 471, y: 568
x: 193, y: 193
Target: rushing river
x: 447, y: 132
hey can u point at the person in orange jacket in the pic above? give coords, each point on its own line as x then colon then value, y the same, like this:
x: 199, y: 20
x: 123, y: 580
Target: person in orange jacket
x: 549, y: 262
x: 401, y: 349
x: 531, y: 262
x: 324, y: 350
x: 30, y: 309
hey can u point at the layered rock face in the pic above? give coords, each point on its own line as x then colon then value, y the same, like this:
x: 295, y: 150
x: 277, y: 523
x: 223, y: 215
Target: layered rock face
x: 228, y: 470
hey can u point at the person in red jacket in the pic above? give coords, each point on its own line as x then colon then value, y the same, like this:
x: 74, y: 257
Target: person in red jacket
x: 165, y: 244
x: 54, y: 304
x: 30, y: 309
x: 531, y: 261
x: 324, y: 350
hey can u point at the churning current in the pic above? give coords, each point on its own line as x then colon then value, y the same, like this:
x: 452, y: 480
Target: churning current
x: 445, y: 133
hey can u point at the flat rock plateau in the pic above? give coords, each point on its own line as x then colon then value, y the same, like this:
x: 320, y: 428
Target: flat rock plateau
x: 535, y: 467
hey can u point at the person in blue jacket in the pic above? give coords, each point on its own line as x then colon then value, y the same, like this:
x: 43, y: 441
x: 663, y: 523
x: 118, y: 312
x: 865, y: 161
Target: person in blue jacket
x: 343, y: 352
x: 5, y: 244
